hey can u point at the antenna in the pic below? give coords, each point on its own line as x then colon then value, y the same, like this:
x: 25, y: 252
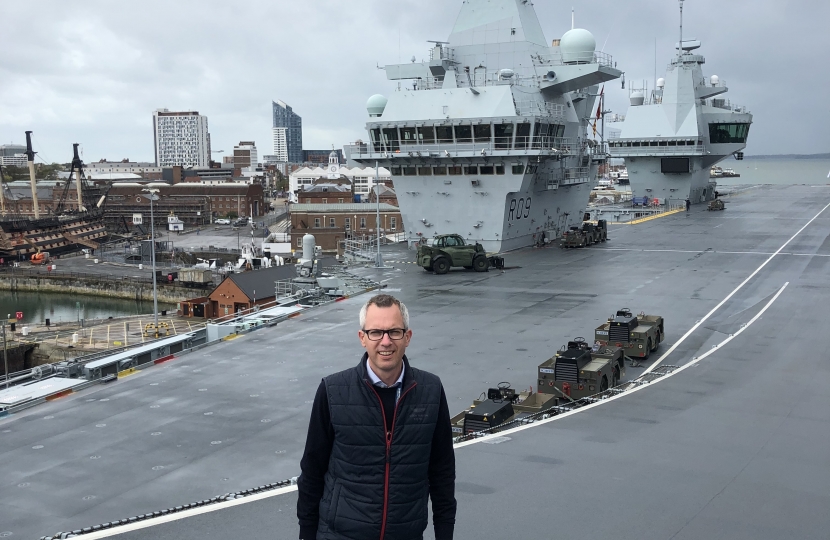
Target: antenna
x: 680, y: 45
x: 572, y: 16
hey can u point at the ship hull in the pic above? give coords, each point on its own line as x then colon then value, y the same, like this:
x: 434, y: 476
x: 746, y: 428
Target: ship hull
x: 647, y: 181
x: 502, y: 213
x: 23, y: 237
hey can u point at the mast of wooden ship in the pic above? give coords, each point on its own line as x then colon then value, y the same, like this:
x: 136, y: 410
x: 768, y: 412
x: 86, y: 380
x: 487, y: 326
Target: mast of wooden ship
x: 78, y: 165
x: 30, y: 159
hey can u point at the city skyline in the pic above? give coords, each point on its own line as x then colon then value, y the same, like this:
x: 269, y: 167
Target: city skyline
x: 82, y: 76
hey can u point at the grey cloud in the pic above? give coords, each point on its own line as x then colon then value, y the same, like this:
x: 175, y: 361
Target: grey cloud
x: 93, y: 71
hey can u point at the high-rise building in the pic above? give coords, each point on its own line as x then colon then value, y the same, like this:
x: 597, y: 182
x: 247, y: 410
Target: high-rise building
x: 288, y: 133
x: 181, y: 138
x: 245, y: 155
x: 13, y: 154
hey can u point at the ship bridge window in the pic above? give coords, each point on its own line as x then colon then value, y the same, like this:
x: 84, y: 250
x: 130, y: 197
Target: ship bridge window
x: 470, y: 169
x: 500, y: 168
x: 426, y: 134
x: 396, y: 171
x: 482, y: 133
x: 559, y: 130
x: 486, y: 169
x: 443, y: 134
x: 518, y: 168
x: 409, y: 170
x: 390, y: 139
x: 522, y: 135
x: 424, y: 171
x: 540, y: 136
x: 454, y: 170
x: 408, y: 135
x: 439, y: 171
x: 463, y: 134
x: 653, y: 143
x: 728, y: 133
x: 374, y: 134
x: 635, y: 144
x: 504, y: 135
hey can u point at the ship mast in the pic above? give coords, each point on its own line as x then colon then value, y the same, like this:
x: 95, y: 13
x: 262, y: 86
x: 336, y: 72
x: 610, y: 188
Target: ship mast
x: 78, y: 165
x: 30, y: 159
x: 680, y: 44
x: 2, y: 194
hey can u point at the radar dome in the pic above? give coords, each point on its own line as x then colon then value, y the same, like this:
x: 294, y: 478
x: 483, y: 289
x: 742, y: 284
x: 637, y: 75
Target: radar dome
x: 578, y: 46
x: 661, y: 82
x: 376, y: 104
x: 637, y: 98
x: 714, y: 79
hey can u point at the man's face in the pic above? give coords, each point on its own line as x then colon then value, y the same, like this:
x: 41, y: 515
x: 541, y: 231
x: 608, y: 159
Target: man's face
x: 385, y: 355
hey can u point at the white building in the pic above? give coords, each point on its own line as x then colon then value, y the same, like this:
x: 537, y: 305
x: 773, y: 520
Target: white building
x: 181, y: 138
x: 16, y: 160
x: 280, y: 144
x: 362, y: 178
x: 12, y: 155
x: 101, y: 169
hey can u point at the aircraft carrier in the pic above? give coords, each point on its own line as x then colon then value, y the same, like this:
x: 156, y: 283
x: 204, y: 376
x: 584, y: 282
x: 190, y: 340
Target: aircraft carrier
x: 732, y: 444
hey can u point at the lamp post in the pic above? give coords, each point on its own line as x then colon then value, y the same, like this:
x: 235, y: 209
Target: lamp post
x: 5, y: 355
x: 378, y: 258
x: 152, y: 195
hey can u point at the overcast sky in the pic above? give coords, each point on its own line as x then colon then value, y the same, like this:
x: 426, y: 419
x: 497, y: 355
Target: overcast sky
x: 93, y: 72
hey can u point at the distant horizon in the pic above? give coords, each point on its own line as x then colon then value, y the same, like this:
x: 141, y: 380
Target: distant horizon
x: 824, y: 155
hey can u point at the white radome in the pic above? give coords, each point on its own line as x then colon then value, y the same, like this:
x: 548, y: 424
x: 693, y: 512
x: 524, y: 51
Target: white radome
x: 578, y: 45
x: 376, y: 104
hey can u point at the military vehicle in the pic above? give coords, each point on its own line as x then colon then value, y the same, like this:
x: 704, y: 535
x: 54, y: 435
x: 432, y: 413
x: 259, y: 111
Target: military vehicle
x: 503, y: 404
x: 590, y: 233
x: 448, y: 250
x: 579, y: 370
x: 716, y: 204
x: 573, y: 237
x: 595, y: 231
x: 576, y: 371
x: 638, y: 335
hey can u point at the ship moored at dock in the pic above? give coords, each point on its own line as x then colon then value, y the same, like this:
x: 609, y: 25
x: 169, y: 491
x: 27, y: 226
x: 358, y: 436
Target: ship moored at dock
x: 488, y: 139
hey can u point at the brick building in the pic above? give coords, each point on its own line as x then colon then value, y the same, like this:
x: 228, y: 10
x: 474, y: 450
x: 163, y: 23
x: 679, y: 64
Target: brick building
x: 332, y: 223
x: 239, y: 292
x: 325, y: 191
x: 193, y: 203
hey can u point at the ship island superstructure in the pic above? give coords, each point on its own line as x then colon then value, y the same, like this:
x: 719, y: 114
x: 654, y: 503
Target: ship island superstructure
x: 488, y: 138
x: 671, y: 138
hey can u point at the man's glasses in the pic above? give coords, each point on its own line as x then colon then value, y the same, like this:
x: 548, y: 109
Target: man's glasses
x: 393, y: 333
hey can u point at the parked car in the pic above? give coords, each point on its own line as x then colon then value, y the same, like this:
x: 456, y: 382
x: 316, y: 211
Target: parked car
x: 222, y: 221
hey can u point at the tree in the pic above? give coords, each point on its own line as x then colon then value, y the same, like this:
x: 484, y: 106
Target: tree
x: 12, y: 173
x: 232, y: 214
x: 48, y: 172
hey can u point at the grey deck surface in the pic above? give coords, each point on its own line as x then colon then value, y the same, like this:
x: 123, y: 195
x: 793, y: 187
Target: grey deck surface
x: 733, y: 447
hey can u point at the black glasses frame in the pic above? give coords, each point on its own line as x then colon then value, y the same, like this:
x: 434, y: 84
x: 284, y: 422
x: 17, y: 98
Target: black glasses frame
x: 385, y: 332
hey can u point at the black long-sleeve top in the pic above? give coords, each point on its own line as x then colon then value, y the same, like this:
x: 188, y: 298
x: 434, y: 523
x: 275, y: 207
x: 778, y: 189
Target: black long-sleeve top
x: 318, y: 449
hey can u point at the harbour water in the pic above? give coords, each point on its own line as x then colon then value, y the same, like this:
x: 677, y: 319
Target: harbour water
x: 779, y: 171
x: 37, y: 307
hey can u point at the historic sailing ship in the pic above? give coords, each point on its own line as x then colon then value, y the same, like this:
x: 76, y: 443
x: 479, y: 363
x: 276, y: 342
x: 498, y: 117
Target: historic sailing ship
x: 65, y: 227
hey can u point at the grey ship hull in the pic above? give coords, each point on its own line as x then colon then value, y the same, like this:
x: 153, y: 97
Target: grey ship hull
x: 730, y: 447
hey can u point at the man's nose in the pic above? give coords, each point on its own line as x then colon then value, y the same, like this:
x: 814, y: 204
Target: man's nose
x: 386, y: 340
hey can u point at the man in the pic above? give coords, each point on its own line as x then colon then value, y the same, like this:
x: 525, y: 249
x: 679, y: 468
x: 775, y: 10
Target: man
x: 688, y: 204
x: 379, y: 443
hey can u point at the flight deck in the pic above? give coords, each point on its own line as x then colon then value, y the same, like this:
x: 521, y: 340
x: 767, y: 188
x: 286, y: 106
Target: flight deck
x: 729, y: 445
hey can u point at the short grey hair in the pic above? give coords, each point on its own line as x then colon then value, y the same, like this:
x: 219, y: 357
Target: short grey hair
x: 384, y: 301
